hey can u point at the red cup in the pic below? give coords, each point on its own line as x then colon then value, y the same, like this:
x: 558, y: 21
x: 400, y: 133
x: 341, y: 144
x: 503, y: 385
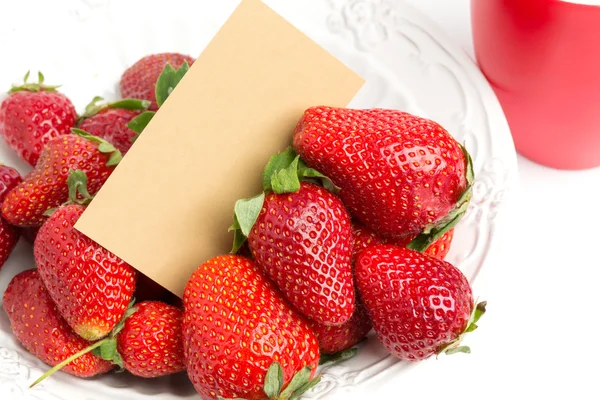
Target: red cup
x: 542, y: 58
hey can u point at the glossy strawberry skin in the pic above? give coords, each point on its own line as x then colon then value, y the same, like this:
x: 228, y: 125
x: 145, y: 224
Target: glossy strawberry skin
x: 362, y: 238
x: 333, y: 339
x: 303, y: 241
x: 9, y: 235
x: 139, y: 80
x: 110, y: 124
x: 39, y: 327
x: 236, y: 324
x: 29, y: 120
x: 151, y: 342
x: 90, y: 286
x: 417, y: 303
x: 46, y: 186
x: 397, y: 172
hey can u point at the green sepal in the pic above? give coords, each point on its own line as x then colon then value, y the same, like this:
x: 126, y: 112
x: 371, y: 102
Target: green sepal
x: 33, y: 87
x: 246, y: 213
x: 340, y: 356
x: 94, y: 108
x: 436, y: 230
x: 299, y: 380
x: 139, y: 123
x: 455, y: 347
x: 49, y: 211
x: 286, y: 170
x: 273, y: 380
x: 78, y: 191
x: 104, y: 147
x: 168, y: 80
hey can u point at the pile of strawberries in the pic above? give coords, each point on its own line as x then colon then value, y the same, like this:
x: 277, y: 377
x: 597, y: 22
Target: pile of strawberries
x: 348, y: 235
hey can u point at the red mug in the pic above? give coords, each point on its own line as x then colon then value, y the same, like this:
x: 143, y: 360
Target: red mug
x: 542, y: 57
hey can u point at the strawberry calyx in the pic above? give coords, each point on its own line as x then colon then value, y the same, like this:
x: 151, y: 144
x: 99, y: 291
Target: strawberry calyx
x: 94, y: 108
x: 455, y: 346
x: 105, y: 348
x: 165, y: 84
x: 33, y: 86
x: 78, y: 192
x: 340, y: 356
x: 273, y: 385
x: 436, y: 230
x: 283, y: 174
x: 105, y: 147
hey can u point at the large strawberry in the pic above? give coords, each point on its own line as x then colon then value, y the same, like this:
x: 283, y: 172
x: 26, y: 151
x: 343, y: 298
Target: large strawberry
x: 32, y: 115
x: 302, y: 238
x: 241, y: 339
x: 90, y: 285
x: 402, y: 176
x: 419, y: 305
x: 139, y: 80
x: 37, y: 324
x: 9, y: 235
x: 46, y: 186
x: 109, y: 121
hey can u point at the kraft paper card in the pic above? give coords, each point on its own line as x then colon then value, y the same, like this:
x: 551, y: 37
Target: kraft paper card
x: 168, y: 205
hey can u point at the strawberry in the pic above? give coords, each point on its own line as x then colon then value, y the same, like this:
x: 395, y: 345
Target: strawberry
x: 90, y: 286
x: 32, y: 115
x: 9, y: 236
x: 241, y: 339
x: 46, y: 186
x: 336, y: 339
x: 362, y: 238
x: 419, y: 305
x: 402, y: 176
x: 37, y: 324
x: 109, y: 121
x: 302, y: 239
x: 441, y: 247
x: 139, y: 80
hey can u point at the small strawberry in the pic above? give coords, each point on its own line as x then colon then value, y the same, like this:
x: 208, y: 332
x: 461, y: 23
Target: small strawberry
x: 362, y: 238
x: 139, y: 81
x: 9, y: 236
x: 402, y: 176
x: 336, y: 339
x: 419, y: 305
x: 241, y: 339
x: 37, y: 324
x: 109, y: 121
x: 150, y: 343
x: 90, y: 286
x: 46, y: 186
x: 32, y: 115
x: 302, y: 239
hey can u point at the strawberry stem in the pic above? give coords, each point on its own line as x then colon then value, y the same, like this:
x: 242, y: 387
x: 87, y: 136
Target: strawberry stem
x: 33, y: 87
x: 75, y: 356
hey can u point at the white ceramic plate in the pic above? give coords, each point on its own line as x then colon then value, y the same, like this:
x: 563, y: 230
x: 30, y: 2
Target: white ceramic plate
x: 406, y: 61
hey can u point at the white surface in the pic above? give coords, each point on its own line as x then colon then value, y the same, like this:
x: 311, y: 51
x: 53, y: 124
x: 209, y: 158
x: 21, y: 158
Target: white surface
x: 539, y: 337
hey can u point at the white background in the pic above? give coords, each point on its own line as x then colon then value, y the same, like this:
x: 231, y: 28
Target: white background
x: 540, y: 337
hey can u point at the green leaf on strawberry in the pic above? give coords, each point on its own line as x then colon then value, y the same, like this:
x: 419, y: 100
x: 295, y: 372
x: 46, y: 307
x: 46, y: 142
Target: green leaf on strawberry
x: 139, y: 123
x: 245, y: 214
x: 33, y: 87
x: 115, y: 155
x: 455, y: 347
x: 94, y: 108
x: 436, y: 230
x: 168, y: 80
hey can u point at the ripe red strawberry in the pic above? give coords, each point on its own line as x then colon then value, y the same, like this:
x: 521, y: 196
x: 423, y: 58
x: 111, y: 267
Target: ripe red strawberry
x: 32, y: 115
x: 109, y: 121
x: 139, y: 81
x: 37, y: 324
x: 46, y: 186
x: 402, y: 176
x: 419, y: 305
x: 334, y: 339
x: 303, y: 240
x: 90, y: 286
x: 362, y: 238
x: 441, y: 247
x: 150, y: 343
x: 236, y: 326
x: 9, y: 236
